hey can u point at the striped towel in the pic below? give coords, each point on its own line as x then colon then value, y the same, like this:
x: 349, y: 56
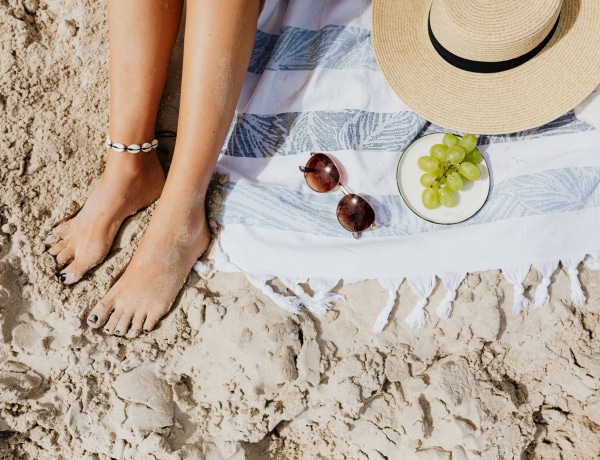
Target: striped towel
x: 314, y: 85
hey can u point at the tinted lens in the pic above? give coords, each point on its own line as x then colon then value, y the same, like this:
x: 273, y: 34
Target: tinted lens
x: 355, y: 213
x: 321, y: 173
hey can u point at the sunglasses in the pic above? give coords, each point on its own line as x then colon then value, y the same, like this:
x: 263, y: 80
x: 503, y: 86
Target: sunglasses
x: 354, y: 212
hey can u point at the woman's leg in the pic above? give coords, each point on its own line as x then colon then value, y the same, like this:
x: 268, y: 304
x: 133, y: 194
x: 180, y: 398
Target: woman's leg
x: 141, y: 34
x: 219, y: 36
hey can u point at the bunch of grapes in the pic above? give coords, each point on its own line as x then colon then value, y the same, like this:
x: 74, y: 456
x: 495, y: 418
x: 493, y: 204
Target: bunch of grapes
x: 447, y: 167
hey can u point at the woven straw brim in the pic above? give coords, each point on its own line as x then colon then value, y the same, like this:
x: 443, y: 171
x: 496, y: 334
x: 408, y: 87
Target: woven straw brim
x: 537, y: 92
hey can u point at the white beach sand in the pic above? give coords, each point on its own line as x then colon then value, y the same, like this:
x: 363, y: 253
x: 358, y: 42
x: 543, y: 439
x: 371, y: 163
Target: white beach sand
x: 228, y: 375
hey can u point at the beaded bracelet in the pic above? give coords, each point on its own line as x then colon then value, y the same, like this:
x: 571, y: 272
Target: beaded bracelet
x: 133, y: 148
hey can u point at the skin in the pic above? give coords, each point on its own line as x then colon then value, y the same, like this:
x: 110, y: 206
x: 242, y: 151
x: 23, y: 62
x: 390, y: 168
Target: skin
x: 218, y: 38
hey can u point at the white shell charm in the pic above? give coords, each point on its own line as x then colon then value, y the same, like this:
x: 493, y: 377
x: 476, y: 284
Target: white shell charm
x: 118, y: 147
x: 133, y: 148
x: 146, y: 147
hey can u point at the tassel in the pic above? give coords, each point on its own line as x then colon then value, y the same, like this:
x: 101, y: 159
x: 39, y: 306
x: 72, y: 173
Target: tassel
x: 322, y: 292
x: 418, y: 317
x: 422, y: 287
x: 577, y: 295
x: 219, y: 261
x: 321, y: 302
x: 516, y: 276
x: 382, y: 319
x: 288, y: 303
x: 592, y: 261
x: 203, y: 269
x: 546, y: 269
x: 450, y: 281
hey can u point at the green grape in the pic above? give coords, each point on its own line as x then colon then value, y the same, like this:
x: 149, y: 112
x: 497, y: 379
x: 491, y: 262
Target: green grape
x: 455, y: 154
x: 450, y: 139
x: 438, y: 151
x: 428, y: 164
x: 454, y: 181
x: 469, y: 171
x: 474, y: 156
x: 446, y: 168
x: 446, y: 197
x: 430, y: 198
x: 468, y: 142
x: 428, y: 179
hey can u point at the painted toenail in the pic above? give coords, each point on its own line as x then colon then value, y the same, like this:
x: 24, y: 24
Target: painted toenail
x: 146, y: 331
x: 117, y: 332
x: 107, y: 329
x: 62, y: 277
x: 93, y: 319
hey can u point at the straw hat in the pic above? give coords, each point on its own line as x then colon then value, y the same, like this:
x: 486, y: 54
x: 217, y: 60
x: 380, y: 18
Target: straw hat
x: 516, y: 64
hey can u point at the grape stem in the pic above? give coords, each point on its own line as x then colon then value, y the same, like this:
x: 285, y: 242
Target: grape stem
x: 448, y: 168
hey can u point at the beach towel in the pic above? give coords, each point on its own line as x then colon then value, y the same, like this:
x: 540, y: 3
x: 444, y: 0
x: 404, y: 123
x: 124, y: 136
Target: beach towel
x: 313, y: 85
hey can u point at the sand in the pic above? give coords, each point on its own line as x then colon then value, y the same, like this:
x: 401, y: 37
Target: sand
x: 227, y: 374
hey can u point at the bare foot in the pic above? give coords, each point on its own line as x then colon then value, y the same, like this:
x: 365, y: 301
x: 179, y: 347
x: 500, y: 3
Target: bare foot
x: 129, y: 183
x: 177, y: 236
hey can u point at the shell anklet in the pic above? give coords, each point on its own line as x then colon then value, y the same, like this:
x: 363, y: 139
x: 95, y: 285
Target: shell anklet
x: 133, y: 148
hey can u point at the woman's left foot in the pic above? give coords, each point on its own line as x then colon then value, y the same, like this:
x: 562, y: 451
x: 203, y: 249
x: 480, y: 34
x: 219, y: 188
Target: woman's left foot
x: 176, y: 237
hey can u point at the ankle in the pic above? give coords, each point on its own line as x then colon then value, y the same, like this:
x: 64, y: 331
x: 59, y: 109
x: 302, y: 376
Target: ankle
x: 133, y: 165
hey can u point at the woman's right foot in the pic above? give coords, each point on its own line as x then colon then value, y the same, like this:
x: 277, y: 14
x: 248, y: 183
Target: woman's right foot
x: 129, y: 183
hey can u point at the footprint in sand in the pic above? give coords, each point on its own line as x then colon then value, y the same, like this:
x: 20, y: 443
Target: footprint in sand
x: 149, y: 400
x: 11, y: 301
x: 18, y: 382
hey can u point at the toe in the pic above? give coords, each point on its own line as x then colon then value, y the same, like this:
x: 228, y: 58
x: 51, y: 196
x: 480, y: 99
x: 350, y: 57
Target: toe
x: 64, y: 257
x: 99, y: 315
x: 58, y: 247
x: 78, y: 267
x: 123, y: 325
x: 67, y: 276
x: 61, y: 229
x: 137, y: 323
x: 150, y: 322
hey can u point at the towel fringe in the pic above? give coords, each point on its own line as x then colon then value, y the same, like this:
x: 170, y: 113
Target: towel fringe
x: 289, y: 303
x: 418, y: 317
x: 219, y: 261
x: 592, y: 261
x: 322, y: 300
x: 450, y: 281
x: 422, y: 286
x: 323, y: 295
x: 204, y: 270
x: 546, y: 269
x: 392, y: 285
x: 577, y: 295
x: 516, y: 276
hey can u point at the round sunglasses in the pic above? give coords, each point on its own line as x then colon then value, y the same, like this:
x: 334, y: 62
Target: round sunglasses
x: 354, y: 212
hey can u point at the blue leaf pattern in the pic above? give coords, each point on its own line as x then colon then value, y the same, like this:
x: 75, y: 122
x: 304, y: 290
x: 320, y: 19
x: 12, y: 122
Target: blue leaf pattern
x: 261, y: 136
x: 553, y: 191
x: 333, y: 47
